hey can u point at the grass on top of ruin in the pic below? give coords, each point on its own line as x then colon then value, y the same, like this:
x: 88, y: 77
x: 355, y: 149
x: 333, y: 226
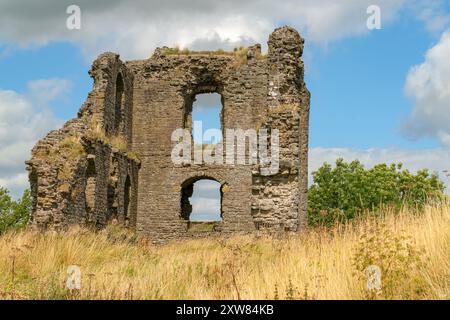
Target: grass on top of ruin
x: 239, y: 53
x: 412, y: 250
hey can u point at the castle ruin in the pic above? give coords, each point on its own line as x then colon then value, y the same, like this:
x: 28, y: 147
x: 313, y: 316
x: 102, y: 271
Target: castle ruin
x: 114, y: 160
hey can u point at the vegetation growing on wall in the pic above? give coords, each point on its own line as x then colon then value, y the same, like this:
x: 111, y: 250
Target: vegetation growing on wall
x: 240, y: 53
x: 96, y: 132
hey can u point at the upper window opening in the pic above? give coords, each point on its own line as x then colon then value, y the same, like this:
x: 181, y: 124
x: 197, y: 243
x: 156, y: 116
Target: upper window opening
x: 118, y: 103
x: 126, y: 199
x: 207, y: 118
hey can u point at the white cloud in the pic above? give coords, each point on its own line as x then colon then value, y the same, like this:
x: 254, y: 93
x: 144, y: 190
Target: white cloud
x: 436, y: 160
x: 43, y: 91
x: 434, y: 13
x: 24, y: 118
x: 134, y: 30
x: 428, y: 85
x: 207, y: 102
x: 16, y: 184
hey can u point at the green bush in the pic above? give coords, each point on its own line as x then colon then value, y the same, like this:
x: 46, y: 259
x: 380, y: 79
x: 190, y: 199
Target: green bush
x: 14, y: 214
x: 349, y: 190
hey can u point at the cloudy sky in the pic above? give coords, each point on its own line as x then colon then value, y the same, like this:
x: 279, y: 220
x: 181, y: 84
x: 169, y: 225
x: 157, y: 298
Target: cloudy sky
x: 377, y: 95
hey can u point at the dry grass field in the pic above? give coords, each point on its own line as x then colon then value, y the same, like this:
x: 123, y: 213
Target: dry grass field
x: 411, y: 249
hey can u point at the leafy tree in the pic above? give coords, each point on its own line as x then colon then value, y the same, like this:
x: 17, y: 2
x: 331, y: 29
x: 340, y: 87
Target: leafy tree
x: 348, y: 190
x: 14, y: 214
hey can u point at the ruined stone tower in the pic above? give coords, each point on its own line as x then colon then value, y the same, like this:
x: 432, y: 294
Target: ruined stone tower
x: 114, y: 160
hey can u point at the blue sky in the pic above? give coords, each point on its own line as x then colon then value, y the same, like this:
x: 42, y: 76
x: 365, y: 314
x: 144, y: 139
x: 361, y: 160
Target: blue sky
x: 377, y: 95
x: 56, y: 60
x: 356, y: 87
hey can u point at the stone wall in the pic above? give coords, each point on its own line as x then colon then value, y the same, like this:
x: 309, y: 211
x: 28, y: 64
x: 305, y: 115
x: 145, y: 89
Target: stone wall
x: 81, y: 174
x: 142, y: 102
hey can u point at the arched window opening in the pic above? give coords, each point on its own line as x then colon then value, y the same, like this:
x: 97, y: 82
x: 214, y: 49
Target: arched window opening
x: 201, y: 201
x: 118, y: 103
x: 205, y: 118
x: 126, y: 200
x: 90, y: 191
x: 112, y: 190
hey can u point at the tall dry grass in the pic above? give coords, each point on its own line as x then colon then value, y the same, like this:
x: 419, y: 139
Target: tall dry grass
x: 412, y: 249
